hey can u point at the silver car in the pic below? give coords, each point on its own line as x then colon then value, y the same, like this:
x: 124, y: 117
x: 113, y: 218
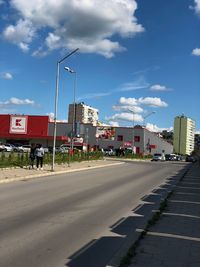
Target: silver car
x: 157, y: 157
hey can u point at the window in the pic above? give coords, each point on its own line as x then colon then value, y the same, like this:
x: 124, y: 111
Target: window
x: 120, y: 138
x: 137, y: 138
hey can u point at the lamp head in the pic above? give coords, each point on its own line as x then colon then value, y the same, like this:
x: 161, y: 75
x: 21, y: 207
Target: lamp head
x: 69, y: 70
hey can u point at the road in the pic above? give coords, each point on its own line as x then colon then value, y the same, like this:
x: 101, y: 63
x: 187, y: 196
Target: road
x: 44, y: 221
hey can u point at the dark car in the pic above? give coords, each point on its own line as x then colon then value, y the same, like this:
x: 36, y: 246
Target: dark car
x: 190, y: 159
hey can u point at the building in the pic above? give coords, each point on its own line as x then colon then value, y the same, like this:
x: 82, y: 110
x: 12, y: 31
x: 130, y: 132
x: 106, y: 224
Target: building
x: 26, y: 129
x: 184, y: 130
x: 81, y: 113
x: 141, y: 140
x: 197, y: 141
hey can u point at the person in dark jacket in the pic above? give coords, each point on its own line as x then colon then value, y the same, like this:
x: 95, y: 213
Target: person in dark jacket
x: 32, y: 156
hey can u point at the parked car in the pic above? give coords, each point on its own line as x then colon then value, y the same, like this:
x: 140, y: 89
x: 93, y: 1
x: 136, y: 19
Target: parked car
x: 108, y: 152
x: 46, y: 150
x: 64, y: 148
x: 179, y: 157
x: 57, y: 149
x: 24, y: 148
x: 170, y: 157
x: 158, y: 157
x: 9, y: 147
x: 190, y: 159
x: 173, y: 157
x: 2, y: 147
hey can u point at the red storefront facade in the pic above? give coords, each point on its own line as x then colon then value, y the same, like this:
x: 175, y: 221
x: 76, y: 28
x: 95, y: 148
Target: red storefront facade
x: 25, y: 129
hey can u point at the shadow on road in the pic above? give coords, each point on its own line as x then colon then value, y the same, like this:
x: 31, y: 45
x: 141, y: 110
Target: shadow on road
x: 98, y: 253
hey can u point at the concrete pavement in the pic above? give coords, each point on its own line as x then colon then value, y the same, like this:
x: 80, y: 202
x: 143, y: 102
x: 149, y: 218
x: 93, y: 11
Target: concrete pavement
x: 174, y: 240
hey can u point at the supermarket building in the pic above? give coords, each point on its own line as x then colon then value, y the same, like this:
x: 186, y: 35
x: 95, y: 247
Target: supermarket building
x: 27, y: 129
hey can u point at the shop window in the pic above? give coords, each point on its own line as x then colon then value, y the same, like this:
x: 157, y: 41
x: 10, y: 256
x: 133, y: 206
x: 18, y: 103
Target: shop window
x: 120, y: 138
x: 137, y: 138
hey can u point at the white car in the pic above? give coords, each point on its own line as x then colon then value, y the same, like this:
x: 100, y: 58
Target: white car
x: 2, y: 147
x: 64, y: 148
x: 8, y: 147
x: 158, y: 157
x: 108, y: 152
x: 24, y: 148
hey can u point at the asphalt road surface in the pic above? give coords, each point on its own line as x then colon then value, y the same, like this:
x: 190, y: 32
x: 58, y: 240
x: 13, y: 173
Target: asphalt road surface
x: 51, y: 221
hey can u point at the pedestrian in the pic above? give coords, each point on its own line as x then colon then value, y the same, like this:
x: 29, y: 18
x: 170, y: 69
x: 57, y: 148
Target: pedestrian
x: 32, y: 156
x: 39, y: 152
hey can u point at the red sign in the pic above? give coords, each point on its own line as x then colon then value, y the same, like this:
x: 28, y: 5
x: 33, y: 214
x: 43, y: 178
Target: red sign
x: 18, y: 124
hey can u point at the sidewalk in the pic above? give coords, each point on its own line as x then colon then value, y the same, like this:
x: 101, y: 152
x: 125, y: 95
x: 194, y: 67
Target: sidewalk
x: 174, y: 240
x: 17, y: 174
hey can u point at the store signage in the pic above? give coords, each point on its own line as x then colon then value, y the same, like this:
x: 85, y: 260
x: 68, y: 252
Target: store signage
x: 18, y: 124
x: 105, y: 132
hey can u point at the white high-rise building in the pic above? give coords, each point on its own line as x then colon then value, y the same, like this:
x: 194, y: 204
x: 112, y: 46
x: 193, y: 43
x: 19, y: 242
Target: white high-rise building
x: 184, y: 131
x: 79, y: 112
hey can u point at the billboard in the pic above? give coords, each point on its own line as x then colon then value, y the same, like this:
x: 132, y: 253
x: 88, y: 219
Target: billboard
x: 18, y: 124
x: 105, y: 132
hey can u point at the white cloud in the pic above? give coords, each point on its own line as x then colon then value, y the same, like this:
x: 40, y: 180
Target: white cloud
x: 51, y: 116
x: 131, y: 86
x: 197, y: 6
x: 1, y: 2
x: 154, y: 128
x: 128, y: 101
x: 114, y: 123
x: 134, y: 109
x: 6, y: 76
x: 24, y: 47
x: 152, y: 101
x: 17, y: 101
x: 196, y: 52
x: 13, y: 101
x: 158, y: 87
x: 20, y: 34
x: 148, y: 101
x: 87, y: 24
x: 91, y: 96
x: 126, y: 117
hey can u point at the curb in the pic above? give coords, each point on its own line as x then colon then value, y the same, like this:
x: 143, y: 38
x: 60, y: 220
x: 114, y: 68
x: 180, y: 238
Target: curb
x: 49, y: 173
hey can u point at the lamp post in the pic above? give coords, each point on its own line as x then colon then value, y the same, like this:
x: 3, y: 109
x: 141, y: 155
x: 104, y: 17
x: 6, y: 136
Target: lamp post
x: 149, y: 114
x: 74, y: 107
x: 132, y: 131
x: 56, y: 103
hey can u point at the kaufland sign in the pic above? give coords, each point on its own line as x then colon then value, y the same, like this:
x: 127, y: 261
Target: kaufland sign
x: 18, y: 124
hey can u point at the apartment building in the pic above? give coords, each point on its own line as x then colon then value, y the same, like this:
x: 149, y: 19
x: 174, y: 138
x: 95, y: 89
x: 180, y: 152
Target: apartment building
x: 81, y: 113
x: 184, y: 131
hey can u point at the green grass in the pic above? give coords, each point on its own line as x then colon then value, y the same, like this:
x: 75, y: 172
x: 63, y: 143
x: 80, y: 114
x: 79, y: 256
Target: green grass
x: 14, y: 159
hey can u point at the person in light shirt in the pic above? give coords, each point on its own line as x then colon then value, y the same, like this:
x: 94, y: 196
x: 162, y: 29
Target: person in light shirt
x: 39, y: 153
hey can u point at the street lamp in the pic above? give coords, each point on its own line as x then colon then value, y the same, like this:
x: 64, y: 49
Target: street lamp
x: 74, y: 107
x: 56, y: 104
x: 132, y: 131
x: 149, y: 114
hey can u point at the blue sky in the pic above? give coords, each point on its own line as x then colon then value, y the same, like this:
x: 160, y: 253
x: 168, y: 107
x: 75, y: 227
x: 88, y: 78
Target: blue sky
x: 138, y: 55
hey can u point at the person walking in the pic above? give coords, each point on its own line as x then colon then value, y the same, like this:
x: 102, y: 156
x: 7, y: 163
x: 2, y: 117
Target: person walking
x: 39, y: 152
x: 32, y: 156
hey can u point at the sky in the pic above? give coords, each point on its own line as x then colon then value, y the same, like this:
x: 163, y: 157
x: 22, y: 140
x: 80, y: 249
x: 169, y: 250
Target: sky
x: 138, y: 61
